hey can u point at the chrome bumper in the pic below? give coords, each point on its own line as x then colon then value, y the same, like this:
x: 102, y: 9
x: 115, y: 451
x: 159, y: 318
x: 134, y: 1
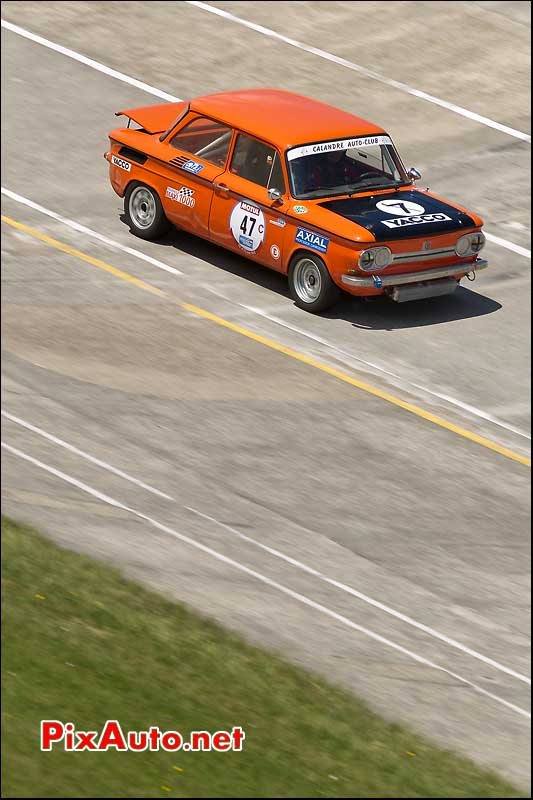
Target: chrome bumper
x: 412, y: 277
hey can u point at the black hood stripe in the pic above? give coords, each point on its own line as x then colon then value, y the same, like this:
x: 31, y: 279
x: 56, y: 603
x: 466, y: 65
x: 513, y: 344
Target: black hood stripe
x: 401, y: 215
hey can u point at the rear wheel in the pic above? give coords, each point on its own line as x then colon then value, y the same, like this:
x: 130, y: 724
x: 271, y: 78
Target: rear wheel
x: 310, y: 284
x: 144, y: 212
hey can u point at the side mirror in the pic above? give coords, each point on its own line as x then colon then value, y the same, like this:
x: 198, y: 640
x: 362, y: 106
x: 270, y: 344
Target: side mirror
x: 414, y: 174
x: 274, y: 195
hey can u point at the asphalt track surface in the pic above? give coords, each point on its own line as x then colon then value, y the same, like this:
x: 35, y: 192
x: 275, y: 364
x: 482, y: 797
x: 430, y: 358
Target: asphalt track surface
x: 351, y: 489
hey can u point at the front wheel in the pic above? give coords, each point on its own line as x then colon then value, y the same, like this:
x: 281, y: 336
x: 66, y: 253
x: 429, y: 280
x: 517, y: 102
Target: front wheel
x: 310, y: 284
x: 144, y: 212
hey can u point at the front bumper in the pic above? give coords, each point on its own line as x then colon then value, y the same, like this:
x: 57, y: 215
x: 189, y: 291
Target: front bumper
x: 379, y: 280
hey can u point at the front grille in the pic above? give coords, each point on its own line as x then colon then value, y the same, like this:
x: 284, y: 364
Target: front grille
x: 424, y: 255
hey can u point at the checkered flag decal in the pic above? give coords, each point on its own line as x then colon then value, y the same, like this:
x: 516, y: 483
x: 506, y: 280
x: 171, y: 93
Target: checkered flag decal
x: 185, y: 192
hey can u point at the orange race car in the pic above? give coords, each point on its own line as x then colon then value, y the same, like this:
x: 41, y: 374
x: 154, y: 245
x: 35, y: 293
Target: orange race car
x: 298, y: 186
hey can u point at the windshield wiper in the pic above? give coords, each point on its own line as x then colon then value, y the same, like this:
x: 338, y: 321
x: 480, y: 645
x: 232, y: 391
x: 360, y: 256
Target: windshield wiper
x: 361, y: 186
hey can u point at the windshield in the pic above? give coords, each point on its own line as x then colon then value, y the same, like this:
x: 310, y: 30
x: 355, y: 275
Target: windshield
x: 345, y: 166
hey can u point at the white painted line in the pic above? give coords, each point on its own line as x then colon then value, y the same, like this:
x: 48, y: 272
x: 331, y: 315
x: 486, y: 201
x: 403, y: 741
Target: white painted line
x: 351, y: 357
x: 89, y: 62
x: 366, y: 599
x: 94, y: 234
x: 83, y: 454
x: 472, y: 410
x: 368, y: 73
x: 145, y: 87
x: 264, y: 579
x: 516, y: 248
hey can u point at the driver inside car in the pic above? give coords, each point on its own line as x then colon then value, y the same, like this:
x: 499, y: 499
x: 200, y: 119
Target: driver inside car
x: 336, y: 169
x: 328, y: 171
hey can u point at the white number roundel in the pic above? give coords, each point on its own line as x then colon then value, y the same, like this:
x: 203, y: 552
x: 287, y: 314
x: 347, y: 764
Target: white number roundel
x: 247, y: 223
x: 401, y: 208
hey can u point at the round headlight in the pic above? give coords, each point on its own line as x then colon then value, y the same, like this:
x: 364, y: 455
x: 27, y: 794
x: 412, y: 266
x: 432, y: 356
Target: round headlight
x: 470, y: 243
x: 477, y: 241
x: 383, y: 257
x: 462, y: 246
x: 366, y: 259
x: 375, y: 258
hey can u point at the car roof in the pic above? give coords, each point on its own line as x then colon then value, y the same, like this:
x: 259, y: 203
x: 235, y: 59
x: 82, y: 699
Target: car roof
x: 283, y: 118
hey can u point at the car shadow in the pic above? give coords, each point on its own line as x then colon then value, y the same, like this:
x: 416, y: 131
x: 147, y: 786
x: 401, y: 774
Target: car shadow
x: 380, y: 314
x: 384, y: 314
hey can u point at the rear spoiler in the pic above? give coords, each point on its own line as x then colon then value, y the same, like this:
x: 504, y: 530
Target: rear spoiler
x: 156, y: 119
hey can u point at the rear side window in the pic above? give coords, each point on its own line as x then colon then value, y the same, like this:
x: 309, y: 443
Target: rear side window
x: 205, y: 138
x: 257, y: 162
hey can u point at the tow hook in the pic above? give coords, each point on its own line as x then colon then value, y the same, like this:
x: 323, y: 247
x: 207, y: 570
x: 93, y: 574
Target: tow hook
x: 378, y: 283
x: 471, y: 273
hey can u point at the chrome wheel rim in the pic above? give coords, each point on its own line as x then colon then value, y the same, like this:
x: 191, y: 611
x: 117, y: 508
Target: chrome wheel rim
x: 307, y: 280
x: 142, y: 207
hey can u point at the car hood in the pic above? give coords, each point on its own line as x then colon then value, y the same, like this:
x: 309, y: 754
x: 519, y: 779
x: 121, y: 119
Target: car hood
x: 401, y: 214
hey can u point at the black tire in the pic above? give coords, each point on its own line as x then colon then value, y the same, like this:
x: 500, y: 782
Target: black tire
x: 144, y: 212
x: 310, y: 283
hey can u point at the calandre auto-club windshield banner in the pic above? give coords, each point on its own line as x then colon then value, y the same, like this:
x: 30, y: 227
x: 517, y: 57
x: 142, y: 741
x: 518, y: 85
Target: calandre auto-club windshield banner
x: 338, y: 144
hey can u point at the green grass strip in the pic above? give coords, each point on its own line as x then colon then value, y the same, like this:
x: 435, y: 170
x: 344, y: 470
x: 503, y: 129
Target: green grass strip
x: 83, y: 644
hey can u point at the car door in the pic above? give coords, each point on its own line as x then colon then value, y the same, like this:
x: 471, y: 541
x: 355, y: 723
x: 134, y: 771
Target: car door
x: 197, y: 153
x: 244, y: 216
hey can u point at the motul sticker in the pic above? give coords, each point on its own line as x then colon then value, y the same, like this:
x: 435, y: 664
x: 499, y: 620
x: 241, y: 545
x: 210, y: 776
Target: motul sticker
x: 247, y: 224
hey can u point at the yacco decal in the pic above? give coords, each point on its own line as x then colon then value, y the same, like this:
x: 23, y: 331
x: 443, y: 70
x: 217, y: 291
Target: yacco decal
x: 401, y: 222
x: 119, y: 162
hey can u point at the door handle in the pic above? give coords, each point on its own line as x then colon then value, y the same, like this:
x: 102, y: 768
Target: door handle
x: 221, y: 187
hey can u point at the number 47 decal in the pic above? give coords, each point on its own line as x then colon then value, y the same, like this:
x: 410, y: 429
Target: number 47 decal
x: 244, y: 223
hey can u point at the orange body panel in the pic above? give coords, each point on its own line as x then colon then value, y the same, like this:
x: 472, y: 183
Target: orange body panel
x: 210, y: 201
x: 154, y: 119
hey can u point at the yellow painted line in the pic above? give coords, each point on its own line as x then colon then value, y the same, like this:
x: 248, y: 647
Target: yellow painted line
x: 280, y: 348
x: 118, y: 273
x: 365, y: 387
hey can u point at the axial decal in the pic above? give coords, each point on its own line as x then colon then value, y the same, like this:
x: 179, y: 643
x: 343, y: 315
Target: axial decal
x: 312, y: 240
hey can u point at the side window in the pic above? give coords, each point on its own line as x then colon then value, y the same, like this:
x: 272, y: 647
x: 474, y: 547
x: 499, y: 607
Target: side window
x: 257, y: 162
x: 205, y: 138
x: 277, y: 181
